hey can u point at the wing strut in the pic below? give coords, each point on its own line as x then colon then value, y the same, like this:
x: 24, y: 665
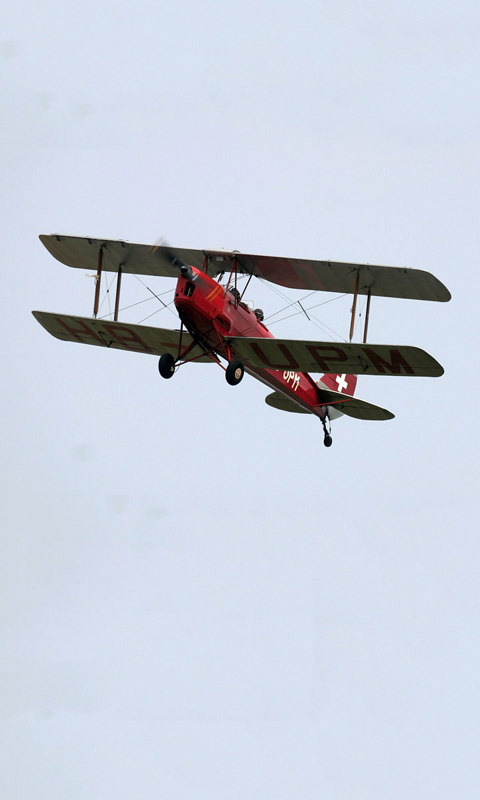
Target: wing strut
x: 367, y: 314
x: 233, y: 271
x: 117, y: 294
x: 97, y: 281
x: 354, y: 305
x: 354, y: 308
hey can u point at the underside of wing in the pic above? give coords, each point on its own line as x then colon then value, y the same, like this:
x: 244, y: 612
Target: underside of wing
x: 295, y: 273
x: 334, y: 357
x: 278, y: 400
x: 118, y: 335
x: 139, y: 259
x: 334, y: 276
x: 353, y: 406
x: 337, y: 402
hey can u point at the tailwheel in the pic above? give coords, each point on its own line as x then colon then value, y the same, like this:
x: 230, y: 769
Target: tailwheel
x: 327, y: 438
x: 234, y: 372
x: 166, y: 365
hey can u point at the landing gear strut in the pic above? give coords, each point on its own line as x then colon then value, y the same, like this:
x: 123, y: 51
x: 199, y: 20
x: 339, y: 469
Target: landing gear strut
x: 166, y: 365
x: 327, y: 438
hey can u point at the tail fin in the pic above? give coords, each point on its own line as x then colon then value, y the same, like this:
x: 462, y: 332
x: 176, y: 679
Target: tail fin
x: 344, y: 384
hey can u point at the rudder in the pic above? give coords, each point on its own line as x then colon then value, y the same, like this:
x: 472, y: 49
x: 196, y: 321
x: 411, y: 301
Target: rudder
x: 345, y: 384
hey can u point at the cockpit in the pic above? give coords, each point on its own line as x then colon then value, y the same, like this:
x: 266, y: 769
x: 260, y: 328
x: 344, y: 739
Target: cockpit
x: 248, y: 305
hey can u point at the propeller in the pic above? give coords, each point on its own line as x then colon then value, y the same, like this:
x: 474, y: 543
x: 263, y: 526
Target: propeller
x: 167, y: 251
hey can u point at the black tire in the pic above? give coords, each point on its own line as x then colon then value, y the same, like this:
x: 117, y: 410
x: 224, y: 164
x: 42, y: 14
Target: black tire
x: 327, y: 441
x: 234, y: 372
x: 166, y: 365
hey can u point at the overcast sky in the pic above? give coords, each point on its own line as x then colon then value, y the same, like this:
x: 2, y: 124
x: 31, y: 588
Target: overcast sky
x: 198, y: 599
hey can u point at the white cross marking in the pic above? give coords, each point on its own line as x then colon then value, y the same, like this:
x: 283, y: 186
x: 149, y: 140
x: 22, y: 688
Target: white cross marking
x: 342, y: 383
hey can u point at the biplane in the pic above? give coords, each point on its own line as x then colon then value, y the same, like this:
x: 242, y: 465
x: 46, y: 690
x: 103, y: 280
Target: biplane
x: 217, y: 325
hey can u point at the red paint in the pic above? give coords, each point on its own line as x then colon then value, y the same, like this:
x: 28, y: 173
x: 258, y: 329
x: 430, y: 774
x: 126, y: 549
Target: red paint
x: 81, y: 331
x: 106, y: 334
x: 283, y: 350
x: 210, y: 313
x: 322, y: 354
x: 340, y: 383
x: 126, y: 337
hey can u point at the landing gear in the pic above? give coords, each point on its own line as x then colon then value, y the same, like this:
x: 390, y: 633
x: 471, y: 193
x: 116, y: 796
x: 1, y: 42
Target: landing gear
x: 234, y: 372
x: 166, y: 365
x: 327, y: 438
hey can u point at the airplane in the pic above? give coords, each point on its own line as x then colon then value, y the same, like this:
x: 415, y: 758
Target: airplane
x: 217, y: 325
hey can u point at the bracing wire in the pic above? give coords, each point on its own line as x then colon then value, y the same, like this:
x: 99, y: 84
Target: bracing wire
x: 303, y: 310
x: 157, y: 311
x: 107, y: 295
x: 139, y: 303
x: 165, y: 305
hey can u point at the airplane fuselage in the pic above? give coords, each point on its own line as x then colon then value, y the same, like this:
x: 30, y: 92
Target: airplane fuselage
x: 212, y: 313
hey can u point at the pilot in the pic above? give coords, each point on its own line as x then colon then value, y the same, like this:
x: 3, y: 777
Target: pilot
x: 235, y: 293
x: 259, y: 314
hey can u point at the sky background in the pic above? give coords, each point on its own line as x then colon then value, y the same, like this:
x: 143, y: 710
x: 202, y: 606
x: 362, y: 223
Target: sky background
x: 198, y: 599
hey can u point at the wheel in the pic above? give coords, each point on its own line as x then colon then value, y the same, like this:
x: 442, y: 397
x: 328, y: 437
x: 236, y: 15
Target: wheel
x: 327, y: 440
x: 234, y: 372
x: 166, y: 365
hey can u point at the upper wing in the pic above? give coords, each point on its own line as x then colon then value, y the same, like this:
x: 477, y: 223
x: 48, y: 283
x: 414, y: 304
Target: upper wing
x: 296, y: 273
x: 140, y: 259
x: 119, y: 335
x: 335, y: 276
x: 334, y: 357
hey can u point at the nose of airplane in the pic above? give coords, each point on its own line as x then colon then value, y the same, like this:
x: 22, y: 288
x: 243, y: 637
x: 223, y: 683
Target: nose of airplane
x: 186, y: 272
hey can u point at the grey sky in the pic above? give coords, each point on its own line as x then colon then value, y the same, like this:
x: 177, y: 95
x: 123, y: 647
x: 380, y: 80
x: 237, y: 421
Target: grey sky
x: 198, y: 599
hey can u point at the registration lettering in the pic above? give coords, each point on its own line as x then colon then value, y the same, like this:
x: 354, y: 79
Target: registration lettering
x: 292, y: 379
x: 105, y: 333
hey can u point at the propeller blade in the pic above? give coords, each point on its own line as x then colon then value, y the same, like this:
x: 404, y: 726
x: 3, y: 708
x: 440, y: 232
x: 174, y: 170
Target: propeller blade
x: 168, y: 253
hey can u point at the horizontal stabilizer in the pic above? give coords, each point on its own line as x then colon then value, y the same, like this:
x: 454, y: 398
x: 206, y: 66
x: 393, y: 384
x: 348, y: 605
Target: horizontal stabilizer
x: 278, y: 400
x: 296, y: 273
x: 119, y: 335
x: 353, y: 406
x: 334, y: 357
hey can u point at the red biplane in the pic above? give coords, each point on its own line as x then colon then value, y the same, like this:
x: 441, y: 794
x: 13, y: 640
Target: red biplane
x: 216, y: 323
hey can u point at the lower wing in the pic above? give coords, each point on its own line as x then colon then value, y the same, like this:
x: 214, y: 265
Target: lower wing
x: 119, y: 335
x: 334, y: 357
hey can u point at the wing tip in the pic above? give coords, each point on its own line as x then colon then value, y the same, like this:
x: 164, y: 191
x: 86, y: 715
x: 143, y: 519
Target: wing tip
x: 372, y: 414
x: 444, y: 294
